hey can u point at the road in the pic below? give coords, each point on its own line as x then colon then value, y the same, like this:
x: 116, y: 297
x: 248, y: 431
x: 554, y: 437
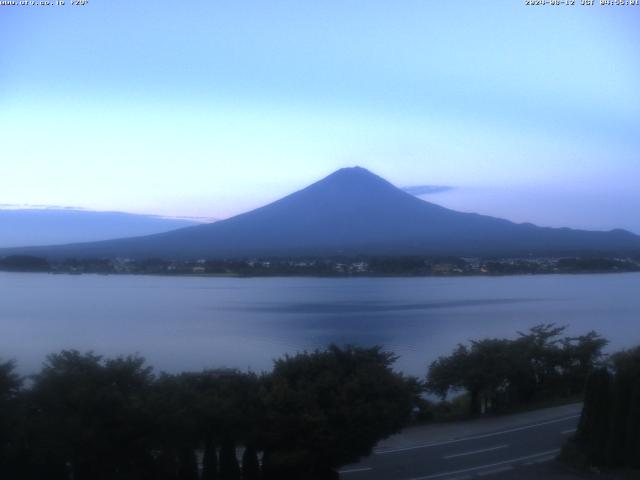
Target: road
x: 464, y: 450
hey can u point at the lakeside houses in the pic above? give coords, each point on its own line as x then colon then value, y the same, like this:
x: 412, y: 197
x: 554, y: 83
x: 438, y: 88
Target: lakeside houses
x: 379, y: 266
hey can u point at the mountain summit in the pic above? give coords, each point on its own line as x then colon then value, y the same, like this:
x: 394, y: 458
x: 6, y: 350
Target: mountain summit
x: 350, y: 212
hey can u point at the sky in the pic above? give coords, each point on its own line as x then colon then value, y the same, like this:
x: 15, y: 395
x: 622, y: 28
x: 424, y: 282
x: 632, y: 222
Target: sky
x: 211, y: 108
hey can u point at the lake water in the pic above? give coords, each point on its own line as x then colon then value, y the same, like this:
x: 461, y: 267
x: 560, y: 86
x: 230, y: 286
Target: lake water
x: 181, y: 323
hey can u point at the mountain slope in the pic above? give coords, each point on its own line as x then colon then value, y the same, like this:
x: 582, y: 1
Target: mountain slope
x: 353, y: 211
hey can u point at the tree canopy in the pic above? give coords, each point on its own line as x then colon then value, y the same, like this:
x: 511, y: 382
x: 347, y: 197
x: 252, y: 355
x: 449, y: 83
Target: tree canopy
x: 498, y: 373
x: 608, y: 433
x: 328, y: 408
x: 85, y: 417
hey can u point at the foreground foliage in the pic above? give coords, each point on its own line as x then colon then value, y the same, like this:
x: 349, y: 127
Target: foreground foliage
x: 498, y: 374
x: 608, y: 434
x: 88, y: 418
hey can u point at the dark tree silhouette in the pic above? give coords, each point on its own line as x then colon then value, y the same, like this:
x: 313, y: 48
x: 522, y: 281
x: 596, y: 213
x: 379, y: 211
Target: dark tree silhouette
x: 498, y: 373
x: 632, y: 448
x: 329, y: 408
x: 229, y: 467
x: 593, y: 428
x: 88, y: 418
x: 24, y: 263
x: 250, y: 464
x: 90, y: 415
x: 626, y: 367
x: 10, y: 425
x: 188, y: 464
x: 175, y: 428
x: 210, y: 461
x: 608, y: 432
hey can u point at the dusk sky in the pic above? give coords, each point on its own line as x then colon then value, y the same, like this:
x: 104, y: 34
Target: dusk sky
x: 211, y: 108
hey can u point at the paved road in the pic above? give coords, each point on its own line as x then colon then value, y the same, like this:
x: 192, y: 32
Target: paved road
x: 487, y: 447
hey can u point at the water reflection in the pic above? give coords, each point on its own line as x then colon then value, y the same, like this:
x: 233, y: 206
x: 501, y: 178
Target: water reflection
x: 191, y: 323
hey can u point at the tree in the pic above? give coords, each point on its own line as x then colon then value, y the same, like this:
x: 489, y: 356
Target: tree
x: 483, y: 371
x: 250, y: 464
x: 497, y: 373
x: 210, y: 461
x: 626, y: 367
x: 449, y: 372
x: 580, y: 355
x: 593, y: 428
x: 229, y: 411
x: 229, y: 467
x: 540, y: 346
x: 10, y: 385
x: 632, y: 450
x: 609, y: 430
x: 10, y: 381
x: 24, y: 263
x: 175, y: 429
x: 329, y: 408
x: 187, y: 464
x: 91, y: 415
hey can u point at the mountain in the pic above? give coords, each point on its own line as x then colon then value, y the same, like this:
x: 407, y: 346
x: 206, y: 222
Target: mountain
x: 353, y: 211
x: 47, y: 226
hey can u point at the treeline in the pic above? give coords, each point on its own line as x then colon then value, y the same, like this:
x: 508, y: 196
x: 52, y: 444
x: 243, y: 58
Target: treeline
x: 24, y: 263
x: 324, y: 266
x: 83, y: 417
x: 499, y: 374
x: 608, y: 434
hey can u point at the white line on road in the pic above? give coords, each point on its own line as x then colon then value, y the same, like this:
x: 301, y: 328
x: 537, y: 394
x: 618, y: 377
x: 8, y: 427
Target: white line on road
x: 474, y: 437
x: 356, y: 470
x: 540, y: 460
x: 493, y: 471
x: 568, y: 432
x: 484, y: 467
x: 489, y: 449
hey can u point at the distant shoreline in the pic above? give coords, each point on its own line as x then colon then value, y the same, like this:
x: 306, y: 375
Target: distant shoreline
x: 337, y: 267
x: 370, y: 276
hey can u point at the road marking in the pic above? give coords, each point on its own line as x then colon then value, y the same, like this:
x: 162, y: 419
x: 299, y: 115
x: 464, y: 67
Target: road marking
x: 355, y: 470
x: 495, y: 470
x: 568, y: 432
x: 473, y: 437
x: 490, y: 465
x: 456, y: 455
x: 540, y: 460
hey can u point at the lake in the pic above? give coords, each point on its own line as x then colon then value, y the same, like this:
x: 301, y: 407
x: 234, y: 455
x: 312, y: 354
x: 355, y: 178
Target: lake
x: 181, y: 323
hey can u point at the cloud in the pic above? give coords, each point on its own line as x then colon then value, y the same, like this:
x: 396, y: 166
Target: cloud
x: 41, y: 207
x: 29, y: 206
x: 426, y: 189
